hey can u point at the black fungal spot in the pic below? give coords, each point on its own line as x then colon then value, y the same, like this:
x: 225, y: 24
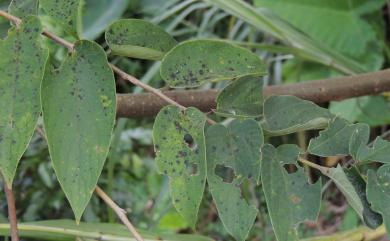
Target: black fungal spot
x: 226, y: 173
x: 190, y: 141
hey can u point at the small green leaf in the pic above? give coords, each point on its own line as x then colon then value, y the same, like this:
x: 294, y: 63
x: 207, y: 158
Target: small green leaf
x: 378, y: 192
x: 65, y: 12
x: 23, y: 8
x: 179, y: 142
x: 194, y: 62
x: 233, y: 155
x: 290, y: 198
x: 22, y: 65
x: 242, y: 98
x: 334, y: 140
x: 288, y: 114
x: 78, y: 101
x: 359, y: 140
x: 139, y: 39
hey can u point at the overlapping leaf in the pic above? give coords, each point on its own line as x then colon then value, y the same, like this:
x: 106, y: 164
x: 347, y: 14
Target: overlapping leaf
x: 288, y: 114
x: 290, y: 198
x: 22, y: 65
x: 194, y: 62
x: 139, y: 39
x: 242, y: 98
x: 233, y: 155
x: 179, y: 142
x: 23, y: 8
x: 78, y: 101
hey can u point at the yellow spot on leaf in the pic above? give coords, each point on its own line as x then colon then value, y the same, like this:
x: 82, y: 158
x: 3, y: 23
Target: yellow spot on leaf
x: 295, y: 199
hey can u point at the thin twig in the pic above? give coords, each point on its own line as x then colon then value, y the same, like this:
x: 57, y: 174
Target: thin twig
x: 322, y: 169
x: 119, y: 211
x: 11, y: 212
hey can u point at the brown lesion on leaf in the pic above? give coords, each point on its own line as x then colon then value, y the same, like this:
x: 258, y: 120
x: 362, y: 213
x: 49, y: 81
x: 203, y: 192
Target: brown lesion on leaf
x: 295, y: 199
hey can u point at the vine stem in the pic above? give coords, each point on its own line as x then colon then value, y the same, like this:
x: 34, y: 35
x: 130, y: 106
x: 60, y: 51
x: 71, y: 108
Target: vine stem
x: 119, y: 211
x: 11, y: 212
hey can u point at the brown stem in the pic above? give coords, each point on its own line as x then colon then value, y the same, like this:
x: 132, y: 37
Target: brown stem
x: 119, y: 212
x: 11, y: 212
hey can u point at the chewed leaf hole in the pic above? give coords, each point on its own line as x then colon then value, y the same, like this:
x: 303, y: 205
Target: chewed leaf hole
x: 190, y: 141
x: 192, y: 168
x: 226, y: 173
x: 290, y: 168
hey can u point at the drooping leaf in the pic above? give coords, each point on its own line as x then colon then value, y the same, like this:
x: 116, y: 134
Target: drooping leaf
x: 179, y: 142
x: 290, y: 198
x: 139, y: 39
x: 23, y: 8
x: 78, y: 101
x: 242, y: 98
x: 288, y: 114
x: 22, y: 65
x: 195, y: 62
x: 233, y: 155
x: 378, y: 192
x: 67, y: 13
x: 99, y: 14
x: 334, y: 140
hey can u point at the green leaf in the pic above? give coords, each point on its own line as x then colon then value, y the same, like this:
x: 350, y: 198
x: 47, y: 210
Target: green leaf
x: 22, y: 65
x: 288, y: 114
x: 379, y: 152
x: 358, y: 141
x: 194, y: 62
x: 334, y: 140
x: 290, y: 198
x: 79, y: 104
x: 99, y: 14
x: 139, y: 39
x: 242, y: 98
x: 179, y: 142
x: 233, y: 155
x: 23, y: 8
x: 66, y: 13
x: 378, y: 192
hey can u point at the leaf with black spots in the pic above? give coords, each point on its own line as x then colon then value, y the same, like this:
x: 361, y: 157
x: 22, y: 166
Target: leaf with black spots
x: 79, y: 104
x: 22, y: 66
x: 23, y: 8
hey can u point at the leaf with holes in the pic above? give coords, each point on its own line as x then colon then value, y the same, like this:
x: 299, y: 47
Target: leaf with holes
x: 334, y: 140
x: 65, y: 12
x: 180, y: 154
x: 233, y: 156
x: 378, y: 192
x: 287, y: 114
x: 139, y: 39
x: 23, y: 8
x: 194, y: 62
x: 22, y: 65
x: 78, y: 101
x: 290, y: 198
x: 241, y: 98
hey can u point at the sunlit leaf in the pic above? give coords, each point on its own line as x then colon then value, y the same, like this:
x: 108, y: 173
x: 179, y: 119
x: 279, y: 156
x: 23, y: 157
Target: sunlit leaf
x: 194, y: 62
x: 22, y: 65
x: 79, y: 111
x: 233, y: 155
x: 179, y: 142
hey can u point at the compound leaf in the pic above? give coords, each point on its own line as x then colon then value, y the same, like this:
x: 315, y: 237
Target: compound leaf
x: 22, y: 65
x: 290, y: 198
x: 79, y: 104
x: 233, y: 155
x: 179, y: 142
x: 23, y: 8
x: 139, y: 39
x: 288, y: 114
x: 65, y: 12
x: 242, y: 98
x: 194, y: 62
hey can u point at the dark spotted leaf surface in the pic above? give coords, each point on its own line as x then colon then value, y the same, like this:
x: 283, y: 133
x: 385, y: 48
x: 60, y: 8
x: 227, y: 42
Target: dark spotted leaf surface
x: 139, y: 39
x: 23, y: 8
x: 287, y: 114
x: 22, y: 64
x: 194, y: 62
x: 179, y: 142
x: 233, y: 155
x: 335, y: 139
x: 79, y: 104
x: 290, y: 198
x: 242, y: 98
x: 378, y: 192
x: 66, y: 13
